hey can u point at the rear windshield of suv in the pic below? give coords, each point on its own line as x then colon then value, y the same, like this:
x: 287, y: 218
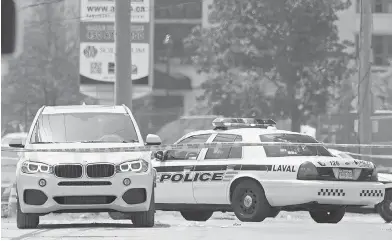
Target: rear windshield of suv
x: 84, y: 127
x: 286, y: 149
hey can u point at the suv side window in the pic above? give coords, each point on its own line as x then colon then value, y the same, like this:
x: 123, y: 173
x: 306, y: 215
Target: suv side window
x: 226, y: 152
x: 187, y: 154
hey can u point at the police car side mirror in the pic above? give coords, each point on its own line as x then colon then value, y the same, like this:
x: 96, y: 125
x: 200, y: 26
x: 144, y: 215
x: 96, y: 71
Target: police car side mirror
x: 159, y: 155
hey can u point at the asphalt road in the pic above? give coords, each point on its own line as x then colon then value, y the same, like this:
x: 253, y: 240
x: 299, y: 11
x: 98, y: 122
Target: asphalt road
x: 221, y: 226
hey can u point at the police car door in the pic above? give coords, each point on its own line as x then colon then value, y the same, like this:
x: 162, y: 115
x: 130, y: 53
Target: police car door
x: 214, y: 171
x: 174, y: 174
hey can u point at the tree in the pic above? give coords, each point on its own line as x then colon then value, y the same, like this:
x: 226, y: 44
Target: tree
x: 46, y: 73
x: 291, y: 48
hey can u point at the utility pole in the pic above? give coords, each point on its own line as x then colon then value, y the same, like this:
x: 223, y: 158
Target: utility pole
x: 365, y: 96
x: 123, y: 84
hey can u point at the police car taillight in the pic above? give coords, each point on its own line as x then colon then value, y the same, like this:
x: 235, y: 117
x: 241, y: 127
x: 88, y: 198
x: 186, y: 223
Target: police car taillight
x: 243, y: 122
x: 307, y: 171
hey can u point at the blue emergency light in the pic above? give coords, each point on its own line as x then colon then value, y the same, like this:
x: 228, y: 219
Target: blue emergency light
x: 225, y: 123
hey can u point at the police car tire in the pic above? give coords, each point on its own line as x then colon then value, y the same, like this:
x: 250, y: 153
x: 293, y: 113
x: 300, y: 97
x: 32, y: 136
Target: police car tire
x: 262, y: 208
x: 200, y: 216
x: 145, y: 219
x: 24, y: 220
x: 333, y: 216
x: 383, y: 208
x: 274, y: 212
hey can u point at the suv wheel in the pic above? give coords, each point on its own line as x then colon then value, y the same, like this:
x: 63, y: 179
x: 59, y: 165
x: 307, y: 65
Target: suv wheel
x: 24, y: 220
x: 200, y: 216
x: 385, y: 207
x: 249, y: 202
x: 145, y: 219
x: 333, y: 216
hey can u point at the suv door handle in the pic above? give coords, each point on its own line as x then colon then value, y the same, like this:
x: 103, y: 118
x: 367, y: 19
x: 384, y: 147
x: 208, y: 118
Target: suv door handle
x: 188, y: 168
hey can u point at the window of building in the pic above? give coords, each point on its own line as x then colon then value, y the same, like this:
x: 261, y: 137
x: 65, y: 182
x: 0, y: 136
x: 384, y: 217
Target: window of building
x: 382, y: 49
x: 225, y: 153
x: 178, y: 9
x: 378, y: 6
x: 178, y: 33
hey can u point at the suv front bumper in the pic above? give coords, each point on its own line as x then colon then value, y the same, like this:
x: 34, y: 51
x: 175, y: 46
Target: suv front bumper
x: 84, y: 194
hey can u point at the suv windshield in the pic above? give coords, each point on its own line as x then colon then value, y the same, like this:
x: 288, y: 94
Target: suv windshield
x: 84, y: 127
x: 292, y: 150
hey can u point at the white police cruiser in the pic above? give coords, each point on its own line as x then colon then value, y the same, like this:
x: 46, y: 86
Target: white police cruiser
x: 64, y: 182
x: 257, y: 182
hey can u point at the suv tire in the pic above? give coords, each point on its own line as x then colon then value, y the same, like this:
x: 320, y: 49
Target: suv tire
x: 25, y: 220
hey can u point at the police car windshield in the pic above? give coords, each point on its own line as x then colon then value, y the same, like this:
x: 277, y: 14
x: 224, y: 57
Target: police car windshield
x: 84, y: 127
x: 292, y: 150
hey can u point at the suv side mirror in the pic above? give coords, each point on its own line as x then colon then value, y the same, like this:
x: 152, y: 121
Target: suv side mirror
x: 159, y: 155
x: 16, y: 144
x: 153, y: 140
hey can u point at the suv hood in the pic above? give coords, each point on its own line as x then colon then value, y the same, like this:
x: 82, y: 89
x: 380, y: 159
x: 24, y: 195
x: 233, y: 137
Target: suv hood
x: 86, y: 157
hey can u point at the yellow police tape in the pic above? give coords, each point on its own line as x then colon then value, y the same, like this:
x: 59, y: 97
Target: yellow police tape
x: 188, y: 147
x: 369, y: 155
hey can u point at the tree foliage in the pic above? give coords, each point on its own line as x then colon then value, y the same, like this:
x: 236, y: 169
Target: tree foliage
x: 282, y: 58
x: 46, y: 73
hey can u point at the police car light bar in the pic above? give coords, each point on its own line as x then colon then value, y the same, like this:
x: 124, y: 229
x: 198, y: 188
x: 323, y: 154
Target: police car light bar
x: 243, y: 122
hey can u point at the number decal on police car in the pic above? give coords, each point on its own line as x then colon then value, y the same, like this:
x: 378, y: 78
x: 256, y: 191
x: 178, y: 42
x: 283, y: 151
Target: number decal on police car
x: 334, y: 163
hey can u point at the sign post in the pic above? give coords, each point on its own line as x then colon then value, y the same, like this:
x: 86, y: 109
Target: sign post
x: 124, y: 67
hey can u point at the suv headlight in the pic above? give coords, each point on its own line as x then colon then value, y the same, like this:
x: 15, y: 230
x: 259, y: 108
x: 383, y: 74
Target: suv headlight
x: 137, y: 166
x: 30, y: 167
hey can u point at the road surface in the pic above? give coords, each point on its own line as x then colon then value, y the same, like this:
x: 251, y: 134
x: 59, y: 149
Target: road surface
x: 171, y: 225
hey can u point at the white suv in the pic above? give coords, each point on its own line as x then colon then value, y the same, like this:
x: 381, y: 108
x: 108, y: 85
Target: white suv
x: 64, y: 182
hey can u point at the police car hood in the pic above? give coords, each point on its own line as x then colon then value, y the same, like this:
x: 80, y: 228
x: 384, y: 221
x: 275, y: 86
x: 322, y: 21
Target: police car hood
x: 85, y: 157
x: 326, y: 161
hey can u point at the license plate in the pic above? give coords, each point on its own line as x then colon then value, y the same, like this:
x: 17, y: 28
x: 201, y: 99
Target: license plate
x: 346, y: 174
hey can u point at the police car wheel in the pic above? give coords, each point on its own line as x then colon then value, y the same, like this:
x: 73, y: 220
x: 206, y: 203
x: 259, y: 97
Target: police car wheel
x: 145, y: 219
x: 249, y: 202
x: 24, y: 220
x: 333, y: 216
x: 200, y: 216
x: 384, y: 208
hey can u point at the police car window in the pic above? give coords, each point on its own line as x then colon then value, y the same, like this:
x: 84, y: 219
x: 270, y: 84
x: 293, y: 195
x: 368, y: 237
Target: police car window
x: 292, y: 150
x: 187, y: 154
x: 227, y: 152
x: 236, y: 152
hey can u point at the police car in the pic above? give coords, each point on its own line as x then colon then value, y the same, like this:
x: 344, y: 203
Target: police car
x: 63, y: 182
x: 385, y: 207
x: 257, y: 182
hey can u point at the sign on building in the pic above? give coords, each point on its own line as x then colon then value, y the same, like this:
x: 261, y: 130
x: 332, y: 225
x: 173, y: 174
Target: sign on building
x: 97, y: 48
